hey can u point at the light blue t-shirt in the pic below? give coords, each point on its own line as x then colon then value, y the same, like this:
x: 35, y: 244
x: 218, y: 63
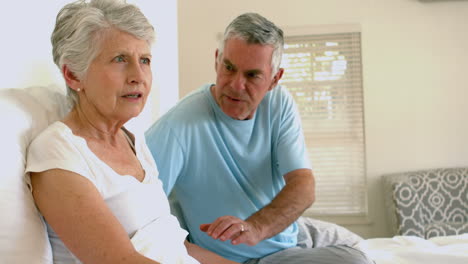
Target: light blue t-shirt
x: 221, y: 166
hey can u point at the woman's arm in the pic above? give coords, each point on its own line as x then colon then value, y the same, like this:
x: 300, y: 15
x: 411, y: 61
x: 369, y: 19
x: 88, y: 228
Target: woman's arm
x: 205, y: 256
x: 73, y: 207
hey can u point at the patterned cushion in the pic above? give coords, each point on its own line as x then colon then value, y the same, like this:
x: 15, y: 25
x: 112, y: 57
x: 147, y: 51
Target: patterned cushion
x: 408, y: 203
x: 428, y: 203
x: 445, y: 229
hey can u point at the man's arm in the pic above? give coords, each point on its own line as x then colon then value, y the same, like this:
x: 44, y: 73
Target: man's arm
x: 296, y: 196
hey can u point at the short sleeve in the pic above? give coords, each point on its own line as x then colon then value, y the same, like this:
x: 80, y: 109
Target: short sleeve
x: 291, y: 147
x: 167, y: 152
x: 54, y: 149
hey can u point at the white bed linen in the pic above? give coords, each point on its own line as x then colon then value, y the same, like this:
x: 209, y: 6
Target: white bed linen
x: 416, y: 250
x: 162, y: 249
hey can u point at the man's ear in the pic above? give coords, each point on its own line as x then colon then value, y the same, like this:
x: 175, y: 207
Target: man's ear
x: 276, y: 78
x: 70, y: 78
x: 216, y: 60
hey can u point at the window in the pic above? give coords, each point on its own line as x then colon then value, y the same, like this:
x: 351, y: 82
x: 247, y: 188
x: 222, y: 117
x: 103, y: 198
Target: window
x: 323, y: 72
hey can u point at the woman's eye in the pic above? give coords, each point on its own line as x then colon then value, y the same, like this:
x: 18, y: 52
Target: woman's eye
x: 119, y: 59
x: 145, y: 61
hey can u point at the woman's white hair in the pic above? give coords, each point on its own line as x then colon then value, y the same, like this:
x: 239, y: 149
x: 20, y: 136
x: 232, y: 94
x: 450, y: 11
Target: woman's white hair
x: 256, y: 29
x: 76, y: 39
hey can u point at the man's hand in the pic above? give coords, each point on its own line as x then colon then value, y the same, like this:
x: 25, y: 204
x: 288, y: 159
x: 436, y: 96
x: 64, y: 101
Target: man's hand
x: 234, y: 229
x: 296, y: 196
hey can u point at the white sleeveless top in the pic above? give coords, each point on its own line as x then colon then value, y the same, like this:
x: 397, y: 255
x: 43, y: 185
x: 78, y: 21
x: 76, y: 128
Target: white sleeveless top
x: 141, y: 207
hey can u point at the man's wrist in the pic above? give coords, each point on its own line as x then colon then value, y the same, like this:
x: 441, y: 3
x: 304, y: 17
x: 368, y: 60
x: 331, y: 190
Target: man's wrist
x: 258, y: 227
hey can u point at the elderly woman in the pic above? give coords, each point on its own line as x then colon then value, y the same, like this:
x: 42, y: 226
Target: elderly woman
x: 95, y: 182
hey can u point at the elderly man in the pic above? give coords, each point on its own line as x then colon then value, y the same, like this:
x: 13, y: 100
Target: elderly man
x: 233, y: 155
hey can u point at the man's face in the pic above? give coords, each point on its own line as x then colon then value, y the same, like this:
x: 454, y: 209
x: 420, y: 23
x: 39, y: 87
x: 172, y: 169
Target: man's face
x: 244, y: 76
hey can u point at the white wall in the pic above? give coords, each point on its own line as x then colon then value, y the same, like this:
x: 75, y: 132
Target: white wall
x: 415, y: 63
x: 26, y: 27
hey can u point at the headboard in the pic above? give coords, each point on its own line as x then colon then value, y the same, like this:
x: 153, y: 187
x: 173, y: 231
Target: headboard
x: 427, y: 203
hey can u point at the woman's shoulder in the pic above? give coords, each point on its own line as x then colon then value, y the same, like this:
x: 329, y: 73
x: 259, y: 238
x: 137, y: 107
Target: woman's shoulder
x: 54, y: 133
x: 56, y: 141
x: 56, y: 147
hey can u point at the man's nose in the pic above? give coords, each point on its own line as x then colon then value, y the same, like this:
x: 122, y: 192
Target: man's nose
x: 238, y: 81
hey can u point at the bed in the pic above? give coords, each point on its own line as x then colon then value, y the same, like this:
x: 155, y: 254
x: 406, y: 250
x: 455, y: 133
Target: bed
x: 416, y: 250
x: 428, y: 215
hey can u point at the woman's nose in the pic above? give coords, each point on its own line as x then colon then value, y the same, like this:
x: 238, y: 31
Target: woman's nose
x: 136, y: 74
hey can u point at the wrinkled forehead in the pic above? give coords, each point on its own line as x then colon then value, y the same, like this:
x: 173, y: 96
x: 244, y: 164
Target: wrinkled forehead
x: 116, y: 41
x: 242, y: 54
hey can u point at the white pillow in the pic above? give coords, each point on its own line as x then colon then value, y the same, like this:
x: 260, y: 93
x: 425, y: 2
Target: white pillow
x: 23, y: 114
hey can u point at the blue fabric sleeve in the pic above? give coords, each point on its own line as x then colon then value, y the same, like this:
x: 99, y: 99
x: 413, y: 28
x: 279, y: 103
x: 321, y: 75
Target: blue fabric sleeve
x: 291, y: 148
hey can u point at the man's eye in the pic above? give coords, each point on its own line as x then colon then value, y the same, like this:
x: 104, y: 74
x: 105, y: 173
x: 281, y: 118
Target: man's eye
x: 252, y: 75
x: 229, y: 67
x: 145, y: 61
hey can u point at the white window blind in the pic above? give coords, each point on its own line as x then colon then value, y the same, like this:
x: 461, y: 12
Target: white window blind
x: 323, y: 72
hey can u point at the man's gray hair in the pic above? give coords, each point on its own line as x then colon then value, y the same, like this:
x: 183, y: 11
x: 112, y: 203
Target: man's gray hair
x: 255, y: 29
x: 77, y: 36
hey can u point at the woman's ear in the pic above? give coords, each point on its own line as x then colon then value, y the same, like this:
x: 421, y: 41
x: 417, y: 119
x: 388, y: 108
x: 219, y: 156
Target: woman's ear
x: 72, y: 81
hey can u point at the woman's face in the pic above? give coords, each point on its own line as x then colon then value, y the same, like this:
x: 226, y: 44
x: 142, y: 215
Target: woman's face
x: 119, y: 79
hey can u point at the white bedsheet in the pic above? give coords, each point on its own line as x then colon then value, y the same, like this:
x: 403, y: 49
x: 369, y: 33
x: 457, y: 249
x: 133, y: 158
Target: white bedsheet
x: 416, y: 250
x: 159, y: 242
